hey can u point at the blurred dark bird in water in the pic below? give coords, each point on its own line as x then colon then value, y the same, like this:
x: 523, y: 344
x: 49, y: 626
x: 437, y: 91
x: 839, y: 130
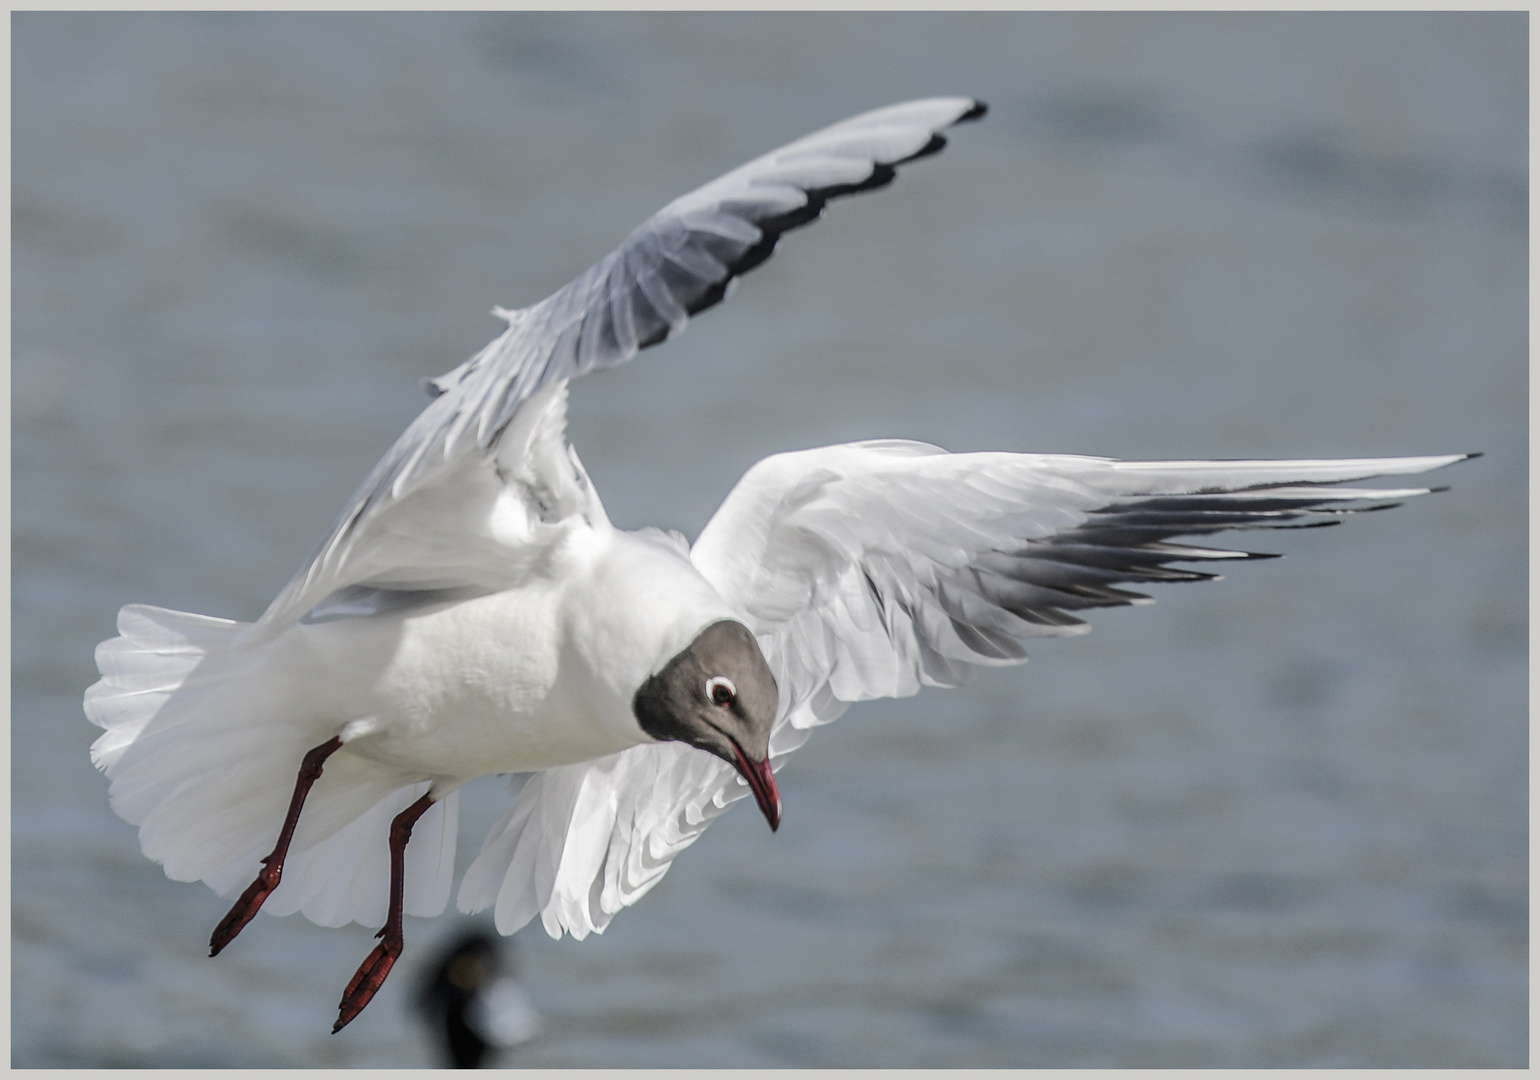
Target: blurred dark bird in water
x: 472, y: 1004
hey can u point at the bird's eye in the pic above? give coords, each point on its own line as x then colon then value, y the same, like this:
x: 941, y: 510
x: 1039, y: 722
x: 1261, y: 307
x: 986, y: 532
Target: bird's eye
x: 720, y: 689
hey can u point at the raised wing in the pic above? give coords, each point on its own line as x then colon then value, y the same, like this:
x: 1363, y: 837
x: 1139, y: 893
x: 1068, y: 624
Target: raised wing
x: 869, y: 570
x: 680, y: 261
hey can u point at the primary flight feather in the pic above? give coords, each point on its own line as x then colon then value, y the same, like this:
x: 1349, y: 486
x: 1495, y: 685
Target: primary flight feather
x: 473, y: 611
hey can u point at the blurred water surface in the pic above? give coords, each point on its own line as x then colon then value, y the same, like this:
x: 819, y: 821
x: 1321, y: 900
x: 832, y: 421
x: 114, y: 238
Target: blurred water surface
x: 1279, y: 821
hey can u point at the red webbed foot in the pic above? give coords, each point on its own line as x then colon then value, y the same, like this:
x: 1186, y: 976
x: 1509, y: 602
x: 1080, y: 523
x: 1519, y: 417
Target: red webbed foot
x: 369, y: 977
x: 245, y: 908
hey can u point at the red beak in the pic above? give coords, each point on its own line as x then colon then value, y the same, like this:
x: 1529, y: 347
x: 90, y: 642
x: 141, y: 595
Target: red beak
x: 762, y: 784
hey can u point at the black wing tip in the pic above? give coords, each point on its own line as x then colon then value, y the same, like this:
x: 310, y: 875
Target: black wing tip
x: 711, y: 297
x: 657, y: 337
x: 1473, y: 455
x: 772, y: 228
x: 1307, y: 525
x: 933, y: 145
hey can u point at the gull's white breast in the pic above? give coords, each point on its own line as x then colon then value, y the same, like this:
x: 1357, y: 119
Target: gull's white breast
x: 525, y: 679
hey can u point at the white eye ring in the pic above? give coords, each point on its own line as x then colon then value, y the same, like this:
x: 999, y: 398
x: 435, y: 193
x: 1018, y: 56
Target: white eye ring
x: 718, y: 683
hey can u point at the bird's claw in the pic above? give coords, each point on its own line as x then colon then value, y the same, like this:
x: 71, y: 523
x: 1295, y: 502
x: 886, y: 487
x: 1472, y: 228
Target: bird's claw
x: 369, y: 977
x: 245, y: 908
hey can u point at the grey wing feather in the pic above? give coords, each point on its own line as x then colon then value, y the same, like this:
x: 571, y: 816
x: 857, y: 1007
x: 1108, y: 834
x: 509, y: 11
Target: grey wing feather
x: 682, y: 259
x: 679, y: 262
x: 873, y: 569
x: 1126, y: 542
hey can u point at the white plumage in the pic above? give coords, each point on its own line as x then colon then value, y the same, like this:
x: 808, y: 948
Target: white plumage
x: 868, y: 571
x: 473, y: 610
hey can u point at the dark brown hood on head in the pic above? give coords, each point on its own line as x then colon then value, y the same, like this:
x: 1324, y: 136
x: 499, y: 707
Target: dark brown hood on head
x: 718, y: 695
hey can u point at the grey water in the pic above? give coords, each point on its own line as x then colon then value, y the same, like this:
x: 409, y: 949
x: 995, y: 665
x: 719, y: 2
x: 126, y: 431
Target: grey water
x: 1280, y: 820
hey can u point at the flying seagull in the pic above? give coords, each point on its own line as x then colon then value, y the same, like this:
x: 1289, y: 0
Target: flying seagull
x: 473, y: 611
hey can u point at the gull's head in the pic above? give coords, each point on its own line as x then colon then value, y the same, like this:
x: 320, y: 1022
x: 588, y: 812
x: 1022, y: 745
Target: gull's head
x: 718, y: 695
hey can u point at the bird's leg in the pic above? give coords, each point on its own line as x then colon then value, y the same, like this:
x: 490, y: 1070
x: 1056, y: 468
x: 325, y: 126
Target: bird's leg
x: 371, y: 973
x: 251, y: 900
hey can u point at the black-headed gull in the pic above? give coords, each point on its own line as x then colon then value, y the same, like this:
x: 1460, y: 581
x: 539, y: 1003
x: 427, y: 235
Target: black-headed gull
x: 473, y: 611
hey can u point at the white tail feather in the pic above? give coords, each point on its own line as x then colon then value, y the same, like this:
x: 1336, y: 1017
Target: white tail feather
x: 203, y: 745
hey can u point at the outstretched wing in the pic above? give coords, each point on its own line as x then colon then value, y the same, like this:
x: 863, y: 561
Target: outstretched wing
x: 680, y: 261
x: 872, y: 569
